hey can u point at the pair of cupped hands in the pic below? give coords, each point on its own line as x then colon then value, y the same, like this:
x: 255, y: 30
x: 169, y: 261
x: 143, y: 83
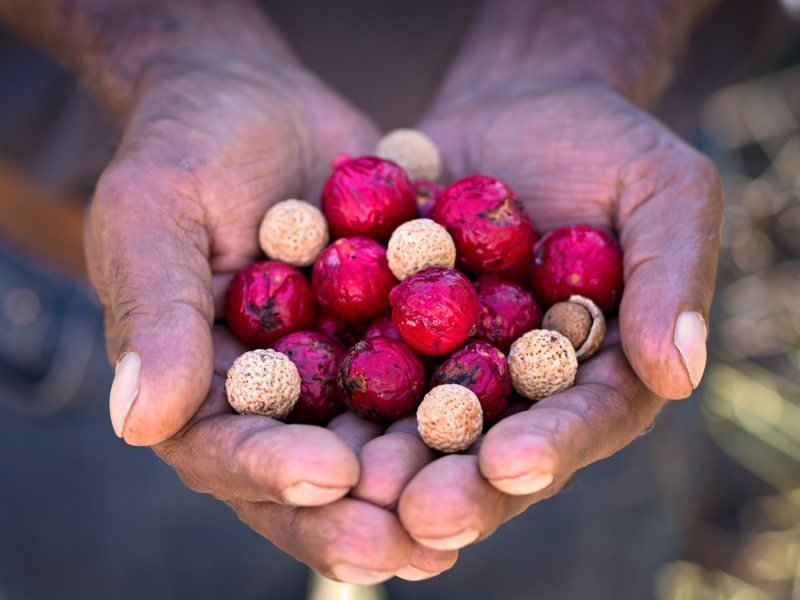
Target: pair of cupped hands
x: 208, y: 148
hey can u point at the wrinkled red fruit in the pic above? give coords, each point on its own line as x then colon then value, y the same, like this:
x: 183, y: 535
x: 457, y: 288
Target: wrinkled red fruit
x: 488, y: 224
x: 317, y: 358
x: 268, y: 300
x: 352, y: 280
x: 435, y: 310
x: 428, y: 194
x: 481, y: 368
x: 382, y: 327
x: 507, y: 311
x: 382, y: 379
x: 581, y: 260
x: 336, y: 330
x: 367, y: 196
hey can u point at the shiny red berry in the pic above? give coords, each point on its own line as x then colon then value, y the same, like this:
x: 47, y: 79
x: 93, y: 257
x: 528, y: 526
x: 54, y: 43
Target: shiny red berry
x: 268, y: 300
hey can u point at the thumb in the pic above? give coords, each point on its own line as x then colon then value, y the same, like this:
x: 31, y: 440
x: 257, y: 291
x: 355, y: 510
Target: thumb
x: 670, y: 224
x: 147, y: 250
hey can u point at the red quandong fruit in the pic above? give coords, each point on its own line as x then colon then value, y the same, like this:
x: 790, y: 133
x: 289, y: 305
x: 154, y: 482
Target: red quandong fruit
x: 336, y: 329
x: 482, y: 368
x: 580, y: 259
x: 488, y: 225
x: 317, y: 358
x: 382, y: 379
x: 428, y: 194
x: 367, y: 196
x: 382, y: 327
x: 352, y: 280
x: 435, y: 310
x: 507, y: 311
x: 268, y: 300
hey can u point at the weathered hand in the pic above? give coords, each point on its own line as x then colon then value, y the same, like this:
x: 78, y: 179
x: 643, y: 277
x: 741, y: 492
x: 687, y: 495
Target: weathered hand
x: 580, y: 154
x: 207, y: 149
x: 205, y: 153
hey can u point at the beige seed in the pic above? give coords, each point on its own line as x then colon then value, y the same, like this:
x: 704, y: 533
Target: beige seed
x: 293, y: 231
x: 413, y: 151
x: 417, y: 245
x: 450, y: 418
x: 542, y: 362
x: 263, y: 382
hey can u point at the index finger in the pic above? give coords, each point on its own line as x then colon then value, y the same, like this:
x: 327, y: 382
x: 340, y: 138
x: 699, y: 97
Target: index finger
x: 257, y: 458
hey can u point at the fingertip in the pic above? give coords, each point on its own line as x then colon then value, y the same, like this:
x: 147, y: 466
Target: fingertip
x: 173, y: 379
x: 513, y: 458
x: 387, y: 464
x: 667, y: 354
x: 312, y: 465
x: 449, y: 505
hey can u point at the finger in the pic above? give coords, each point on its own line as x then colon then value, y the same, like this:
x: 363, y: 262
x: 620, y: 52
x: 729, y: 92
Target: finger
x: 449, y: 505
x: 348, y: 540
x: 147, y: 251
x: 256, y: 458
x: 670, y: 220
x: 426, y: 563
x: 389, y: 462
x: 259, y: 459
x: 354, y: 430
x: 607, y: 409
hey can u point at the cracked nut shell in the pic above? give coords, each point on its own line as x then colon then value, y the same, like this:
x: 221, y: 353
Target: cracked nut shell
x: 581, y: 321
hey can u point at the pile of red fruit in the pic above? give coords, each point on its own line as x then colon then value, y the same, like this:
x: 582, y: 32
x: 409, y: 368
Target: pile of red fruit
x: 476, y: 279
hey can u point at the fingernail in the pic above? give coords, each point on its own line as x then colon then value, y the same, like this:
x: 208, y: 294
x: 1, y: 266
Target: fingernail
x: 453, y: 542
x: 124, y: 389
x: 529, y: 483
x: 303, y: 493
x: 412, y: 573
x: 690, y: 340
x: 357, y: 575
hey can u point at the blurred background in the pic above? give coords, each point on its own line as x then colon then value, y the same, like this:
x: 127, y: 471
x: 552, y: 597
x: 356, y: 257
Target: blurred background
x: 705, y: 507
